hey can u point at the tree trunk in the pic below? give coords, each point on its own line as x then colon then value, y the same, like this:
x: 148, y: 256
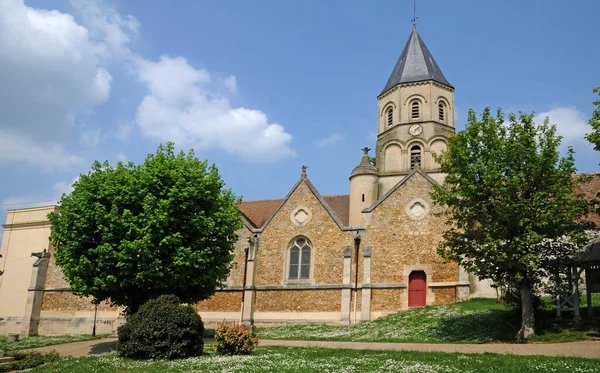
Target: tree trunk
x: 527, y: 314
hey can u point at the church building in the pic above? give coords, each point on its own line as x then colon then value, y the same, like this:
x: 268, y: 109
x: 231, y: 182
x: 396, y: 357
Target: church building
x: 305, y: 258
x: 351, y: 258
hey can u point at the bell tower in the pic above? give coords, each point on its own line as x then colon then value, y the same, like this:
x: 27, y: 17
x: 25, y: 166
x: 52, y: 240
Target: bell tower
x: 415, y: 116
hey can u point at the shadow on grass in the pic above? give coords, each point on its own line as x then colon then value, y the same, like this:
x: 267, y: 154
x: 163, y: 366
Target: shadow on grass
x: 503, y: 325
x: 103, y: 348
x: 491, y: 325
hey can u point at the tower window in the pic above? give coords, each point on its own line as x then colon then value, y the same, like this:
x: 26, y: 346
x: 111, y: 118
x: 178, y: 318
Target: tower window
x: 390, y: 116
x: 442, y: 111
x: 415, y: 110
x: 299, y: 264
x: 415, y: 157
x: 363, y: 197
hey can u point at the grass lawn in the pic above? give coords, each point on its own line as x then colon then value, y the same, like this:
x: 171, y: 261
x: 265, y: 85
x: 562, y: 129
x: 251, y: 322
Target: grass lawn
x: 41, y: 341
x: 282, y: 359
x: 474, y: 321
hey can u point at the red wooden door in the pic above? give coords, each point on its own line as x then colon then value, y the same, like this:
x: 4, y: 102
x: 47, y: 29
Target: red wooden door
x: 417, y: 289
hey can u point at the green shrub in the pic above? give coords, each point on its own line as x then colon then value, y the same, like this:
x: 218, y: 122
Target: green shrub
x: 28, y: 360
x: 162, y: 329
x: 233, y: 339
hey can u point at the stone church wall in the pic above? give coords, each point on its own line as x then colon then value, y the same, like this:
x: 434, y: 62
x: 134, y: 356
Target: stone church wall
x: 402, y: 242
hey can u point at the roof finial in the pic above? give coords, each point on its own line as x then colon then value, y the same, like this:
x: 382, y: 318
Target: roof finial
x: 414, y: 20
x: 304, y: 167
x: 366, y: 150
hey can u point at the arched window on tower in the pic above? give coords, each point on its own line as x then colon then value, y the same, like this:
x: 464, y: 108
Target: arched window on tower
x: 390, y: 116
x: 299, y: 263
x: 442, y: 111
x: 415, y: 157
x: 415, y: 110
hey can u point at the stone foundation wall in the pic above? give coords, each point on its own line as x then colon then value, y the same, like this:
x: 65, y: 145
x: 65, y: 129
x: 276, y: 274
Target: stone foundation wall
x: 11, y: 324
x: 298, y: 301
x: 386, y: 299
x: 445, y: 295
x: 61, y: 323
x: 224, y: 301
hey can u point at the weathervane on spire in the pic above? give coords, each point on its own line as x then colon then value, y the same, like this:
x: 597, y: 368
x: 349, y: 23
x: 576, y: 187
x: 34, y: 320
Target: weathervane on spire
x: 414, y: 20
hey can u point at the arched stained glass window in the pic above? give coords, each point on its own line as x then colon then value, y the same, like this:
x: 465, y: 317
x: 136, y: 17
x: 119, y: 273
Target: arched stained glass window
x: 300, y: 259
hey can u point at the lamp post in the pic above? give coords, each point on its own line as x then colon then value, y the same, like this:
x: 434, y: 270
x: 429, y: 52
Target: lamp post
x: 246, y: 250
x: 357, y: 239
x: 95, y: 315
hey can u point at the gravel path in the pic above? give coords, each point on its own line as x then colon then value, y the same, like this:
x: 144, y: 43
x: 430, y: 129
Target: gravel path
x: 584, y: 349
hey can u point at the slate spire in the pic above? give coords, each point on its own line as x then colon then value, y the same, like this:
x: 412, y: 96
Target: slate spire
x: 415, y: 64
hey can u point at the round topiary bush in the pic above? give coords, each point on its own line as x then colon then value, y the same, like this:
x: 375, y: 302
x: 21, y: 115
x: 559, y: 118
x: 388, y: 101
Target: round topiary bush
x: 162, y: 328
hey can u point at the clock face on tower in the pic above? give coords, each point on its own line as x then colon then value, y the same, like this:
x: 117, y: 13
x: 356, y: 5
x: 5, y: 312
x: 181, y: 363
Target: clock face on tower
x: 415, y: 130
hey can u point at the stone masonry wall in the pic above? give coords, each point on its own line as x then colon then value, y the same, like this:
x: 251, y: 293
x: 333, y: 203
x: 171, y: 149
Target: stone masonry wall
x: 328, y: 244
x: 236, y: 276
x: 397, y: 240
x: 327, y: 239
x: 299, y: 301
x: 445, y: 295
x: 386, y: 299
x: 224, y: 301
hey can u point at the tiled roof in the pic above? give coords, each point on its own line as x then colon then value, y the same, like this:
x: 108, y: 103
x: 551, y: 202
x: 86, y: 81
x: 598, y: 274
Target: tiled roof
x: 258, y: 212
x: 591, y: 253
x: 590, y: 190
x: 415, y: 64
x: 340, y: 205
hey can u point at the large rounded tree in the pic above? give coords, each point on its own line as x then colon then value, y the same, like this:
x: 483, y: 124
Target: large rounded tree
x: 130, y: 233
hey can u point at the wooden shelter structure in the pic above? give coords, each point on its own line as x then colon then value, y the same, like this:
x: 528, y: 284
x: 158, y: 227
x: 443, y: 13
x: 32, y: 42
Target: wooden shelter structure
x: 589, y: 260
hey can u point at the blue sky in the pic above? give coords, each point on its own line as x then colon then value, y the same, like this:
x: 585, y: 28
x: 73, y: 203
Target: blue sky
x: 262, y: 87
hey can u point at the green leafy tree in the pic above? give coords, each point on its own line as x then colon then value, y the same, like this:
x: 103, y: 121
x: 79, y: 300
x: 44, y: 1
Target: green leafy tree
x: 510, y: 203
x: 594, y: 136
x: 132, y: 233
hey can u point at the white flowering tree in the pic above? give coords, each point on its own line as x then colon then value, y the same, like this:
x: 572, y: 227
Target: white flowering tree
x: 513, y: 215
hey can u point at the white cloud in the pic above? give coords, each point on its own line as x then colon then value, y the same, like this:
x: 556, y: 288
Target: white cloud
x: 571, y: 124
x: 91, y: 137
x: 62, y: 187
x: 106, y: 24
x: 230, y: 83
x: 122, y: 157
x: 181, y: 107
x: 54, y: 69
x: 329, y: 141
x: 50, y: 197
x: 123, y: 131
x: 21, y: 148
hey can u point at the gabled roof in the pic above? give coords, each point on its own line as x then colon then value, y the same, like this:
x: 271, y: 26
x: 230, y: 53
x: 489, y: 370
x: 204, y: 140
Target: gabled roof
x: 259, y: 213
x: 415, y: 64
x: 397, y: 186
x: 590, y: 190
x: 591, y: 253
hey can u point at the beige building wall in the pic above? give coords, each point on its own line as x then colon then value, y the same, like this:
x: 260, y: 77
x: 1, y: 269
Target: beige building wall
x: 25, y: 231
x: 394, y: 143
x: 363, y: 193
x: 429, y: 94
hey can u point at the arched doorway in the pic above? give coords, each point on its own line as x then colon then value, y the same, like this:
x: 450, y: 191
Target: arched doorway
x: 417, y: 289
